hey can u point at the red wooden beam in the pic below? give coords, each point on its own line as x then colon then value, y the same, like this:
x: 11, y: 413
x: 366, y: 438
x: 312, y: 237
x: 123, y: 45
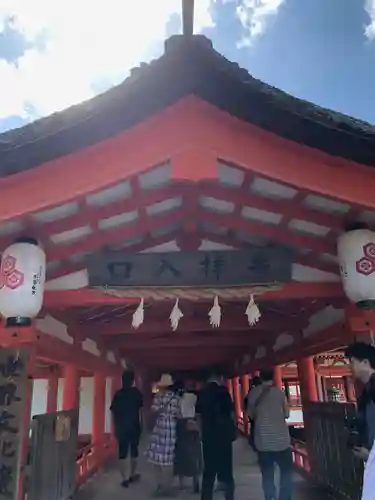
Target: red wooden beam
x: 90, y: 215
x: 304, y: 260
x: 97, y: 167
x: 89, y: 298
x: 156, y: 326
x: 148, y: 242
x: 164, y: 361
x: 82, y: 298
x: 289, y: 209
x: 193, y: 341
x: 58, y: 351
x: 114, y: 236
x: 55, y: 351
x: 273, y: 233
x: 268, y: 155
x: 332, y: 337
x: 190, y: 122
x: 325, y: 371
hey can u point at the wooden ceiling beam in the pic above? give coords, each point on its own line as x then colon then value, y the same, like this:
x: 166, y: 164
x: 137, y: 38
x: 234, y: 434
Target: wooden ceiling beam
x: 118, y: 235
x: 312, y: 260
x: 152, y: 325
x: 293, y: 290
x: 289, y: 209
x: 271, y: 232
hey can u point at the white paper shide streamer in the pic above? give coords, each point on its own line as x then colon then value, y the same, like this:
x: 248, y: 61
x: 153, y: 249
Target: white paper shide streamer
x: 215, y: 314
x: 175, y: 316
x: 252, y: 312
x: 138, y: 316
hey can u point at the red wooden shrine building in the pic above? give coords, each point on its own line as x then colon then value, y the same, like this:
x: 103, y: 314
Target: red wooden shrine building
x: 189, y: 154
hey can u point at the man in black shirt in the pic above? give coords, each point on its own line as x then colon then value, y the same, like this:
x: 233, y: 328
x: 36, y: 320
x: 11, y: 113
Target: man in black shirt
x: 126, y: 407
x: 216, y: 412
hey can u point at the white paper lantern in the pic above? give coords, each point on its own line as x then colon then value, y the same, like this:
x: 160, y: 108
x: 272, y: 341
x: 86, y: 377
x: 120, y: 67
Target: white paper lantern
x: 356, y: 254
x: 22, y: 277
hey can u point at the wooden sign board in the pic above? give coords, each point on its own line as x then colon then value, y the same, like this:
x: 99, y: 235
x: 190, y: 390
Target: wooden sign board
x: 62, y: 429
x: 13, y: 390
x: 191, y: 269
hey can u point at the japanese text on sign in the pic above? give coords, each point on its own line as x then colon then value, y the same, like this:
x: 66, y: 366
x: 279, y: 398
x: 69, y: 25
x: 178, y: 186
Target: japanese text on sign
x: 13, y: 381
x: 225, y: 268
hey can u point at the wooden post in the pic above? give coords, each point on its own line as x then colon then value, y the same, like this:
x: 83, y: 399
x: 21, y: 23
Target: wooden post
x: 309, y: 393
x: 71, y: 387
x: 52, y: 392
x: 98, y: 416
x: 147, y: 399
x: 245, y: 384
x: 349, y: 389
x: 115, y: 386
x: 26, y: 422
x: 230, y: 388
x: 17, y: 355
x: 278, y: 377
x: 237, y: 398
x: 306, y: 373
x: 287, y: 390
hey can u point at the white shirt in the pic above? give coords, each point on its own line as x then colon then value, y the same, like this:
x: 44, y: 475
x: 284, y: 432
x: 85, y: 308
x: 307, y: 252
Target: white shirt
x: 187, y: 405
x: 368, y: 490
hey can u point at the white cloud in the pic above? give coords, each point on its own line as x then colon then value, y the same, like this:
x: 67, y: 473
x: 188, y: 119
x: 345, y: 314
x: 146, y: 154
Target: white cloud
x: 370, y: 28
x: 254, y: 16
x: 86, y: 43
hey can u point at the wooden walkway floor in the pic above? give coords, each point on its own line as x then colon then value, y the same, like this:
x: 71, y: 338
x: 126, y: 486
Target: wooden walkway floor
x: 105, y: 485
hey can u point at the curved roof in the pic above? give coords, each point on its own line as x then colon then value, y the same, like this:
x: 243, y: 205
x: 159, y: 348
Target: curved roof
x: 189, y: 65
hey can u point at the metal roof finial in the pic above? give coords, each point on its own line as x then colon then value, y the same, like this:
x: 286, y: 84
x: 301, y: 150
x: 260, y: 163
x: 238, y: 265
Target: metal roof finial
x: 187, y: 17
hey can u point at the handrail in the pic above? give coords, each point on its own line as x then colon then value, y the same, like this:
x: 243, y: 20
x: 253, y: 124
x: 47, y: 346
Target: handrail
x: 92, y: 456
x: 300, y: 454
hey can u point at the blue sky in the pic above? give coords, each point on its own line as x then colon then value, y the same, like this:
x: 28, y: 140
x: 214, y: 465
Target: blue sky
x: 54, y: 54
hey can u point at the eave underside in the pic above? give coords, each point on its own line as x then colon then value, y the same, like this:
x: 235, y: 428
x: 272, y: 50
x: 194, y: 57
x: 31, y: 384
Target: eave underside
x: 152, y: 192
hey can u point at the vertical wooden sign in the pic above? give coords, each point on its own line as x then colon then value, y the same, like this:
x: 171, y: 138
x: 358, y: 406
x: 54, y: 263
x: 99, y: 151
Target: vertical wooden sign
x: 13, y: 389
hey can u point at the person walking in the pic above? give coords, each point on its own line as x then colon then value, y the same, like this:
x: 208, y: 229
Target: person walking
x: 188, y: 452
x: 126, y: 413
x: 161, y: 452
x: 267, y: 408
x: 362, y: 360
x: 255, y: 382
x: 216, y: 413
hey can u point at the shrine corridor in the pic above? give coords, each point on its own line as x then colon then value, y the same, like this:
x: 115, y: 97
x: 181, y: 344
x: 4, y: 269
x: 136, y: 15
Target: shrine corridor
x: 105, y: 485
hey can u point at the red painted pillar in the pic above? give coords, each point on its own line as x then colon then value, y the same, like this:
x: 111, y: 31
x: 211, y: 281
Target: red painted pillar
x: 147, y: 400
x: 237, y: 399
x: 309, y: 393
x: 307, y: 379
x: 278, y: 377
x: 115, y: 386
x: 98, y: 415
x: 144, y: 384
x: 350, y: 389
x: 71, y: 387
x: 230, y: 388
x: 52, y: 391
x: 245, y: 384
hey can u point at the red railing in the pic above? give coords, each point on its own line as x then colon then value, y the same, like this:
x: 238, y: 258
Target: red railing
x: 300, y: 455
x: 91, y: 457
